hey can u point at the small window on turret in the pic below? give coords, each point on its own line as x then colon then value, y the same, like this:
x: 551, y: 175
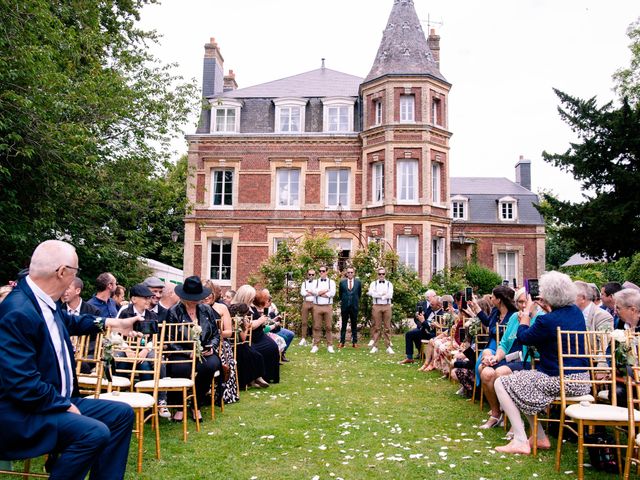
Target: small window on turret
x: 407, y: 108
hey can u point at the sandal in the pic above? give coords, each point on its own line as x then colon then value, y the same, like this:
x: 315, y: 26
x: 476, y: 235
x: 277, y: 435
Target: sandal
x: 493, y: 422
x: 178, y: 416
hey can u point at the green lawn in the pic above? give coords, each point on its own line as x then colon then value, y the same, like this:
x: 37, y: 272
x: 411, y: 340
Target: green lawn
x: 350, y: 415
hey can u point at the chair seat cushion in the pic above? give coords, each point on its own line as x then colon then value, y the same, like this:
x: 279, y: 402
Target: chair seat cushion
x: 135, y: 400
x: 167, y: 382
x: 119, y: 382
x: 595, y: 411
x: 578, y: 399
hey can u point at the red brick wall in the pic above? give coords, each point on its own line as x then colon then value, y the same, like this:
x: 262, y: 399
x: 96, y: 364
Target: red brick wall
x: 254, y: 188
x: 312, y: 187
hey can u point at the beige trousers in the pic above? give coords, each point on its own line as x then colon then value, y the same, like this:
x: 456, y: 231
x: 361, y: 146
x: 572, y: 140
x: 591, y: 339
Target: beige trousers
x: 322, y: 315
x: 381, y: 315
x: 307, y: 308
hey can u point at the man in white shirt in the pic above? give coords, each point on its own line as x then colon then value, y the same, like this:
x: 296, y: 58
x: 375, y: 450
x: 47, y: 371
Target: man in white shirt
x: 381, y: 292
x: 307, y: 304
x: 73, y: 300
x: 323, y: 292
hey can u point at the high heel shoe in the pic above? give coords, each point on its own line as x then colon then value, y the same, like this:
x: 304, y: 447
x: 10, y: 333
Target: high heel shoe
x: 493, y: 422
x: 261, y: 383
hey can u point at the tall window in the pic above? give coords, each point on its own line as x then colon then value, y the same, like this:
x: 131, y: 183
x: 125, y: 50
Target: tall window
x: 378, y: 182
x: 288, y: 186
x: 378, y: 112
x: 407, y: 176
x: 408, y: 251
x: 435, y: 182
x: 225, y: 120
x: 437, y: 254
x: 222, y: 187
x: 338, y: 119
x: 337, y: 187
x: 436, y: 111
x: 220, y: 259
x: 507, y: 265
x: 407, y: 108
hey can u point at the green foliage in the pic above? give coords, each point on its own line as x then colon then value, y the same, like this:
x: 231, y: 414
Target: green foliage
x: 628, y: 79
x: 606, y: 162
x: 482, y: 279
x: 449, y: 281
x: 603, y: 272
x: 86, y: 117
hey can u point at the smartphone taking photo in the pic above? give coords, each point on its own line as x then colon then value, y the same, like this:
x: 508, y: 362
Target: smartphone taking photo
x: 533, y: 288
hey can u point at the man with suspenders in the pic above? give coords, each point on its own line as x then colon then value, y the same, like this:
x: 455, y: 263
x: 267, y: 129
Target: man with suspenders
x: 323, y: 291
x: 307, y: 304
x: 381, y: 292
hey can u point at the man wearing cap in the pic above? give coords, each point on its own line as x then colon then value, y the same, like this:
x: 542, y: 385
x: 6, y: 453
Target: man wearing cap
x: 323, y: 292
x: 381, y: 292
x: 40, y: 407
x: 156, y: 286
x: 307, y: 304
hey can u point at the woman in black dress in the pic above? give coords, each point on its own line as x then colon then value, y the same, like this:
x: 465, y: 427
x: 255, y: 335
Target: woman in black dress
x: 259, y: 340
x: 250, y: 361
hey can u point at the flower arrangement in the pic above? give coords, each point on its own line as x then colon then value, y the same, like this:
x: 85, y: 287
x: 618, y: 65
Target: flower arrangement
x: 473, y: 326
x: 623, y: 352
x: 113, y: 340
x: 196, y: 331
x: 448, y: 319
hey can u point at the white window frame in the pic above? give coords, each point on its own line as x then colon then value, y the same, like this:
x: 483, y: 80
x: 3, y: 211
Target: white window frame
x: 437, y: 254
x: 407, y: 108
x: 436, y: 185
x: 342, y: 104
x: 225, y: 104
x: 224, y: 271
x: 290, y: 105
x: 407, y: 180
x: 463, y: 203
x: 377, y: 182
x: 507, y: 264
x: 343, y: 175
x: 508, y: 209
x: 227, y: 189
x: 407, y: 249
x: 288, y: 172
x: 378, y: 112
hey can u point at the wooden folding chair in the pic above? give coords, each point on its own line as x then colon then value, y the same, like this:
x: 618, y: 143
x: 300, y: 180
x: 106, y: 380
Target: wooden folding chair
x: 9, y: 468
x: 633, y: 432
x: 177, y: 348
x: 88, y: 356
x: 602, y: 368
x: 144, y: 405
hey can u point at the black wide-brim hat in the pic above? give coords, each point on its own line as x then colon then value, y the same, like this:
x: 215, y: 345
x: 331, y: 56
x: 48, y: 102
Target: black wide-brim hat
x: 192, y: 289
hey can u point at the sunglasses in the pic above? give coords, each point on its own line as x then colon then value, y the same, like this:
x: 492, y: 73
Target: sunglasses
x: 382, y: 274
x: 322, y: 271
x: 311, y: 274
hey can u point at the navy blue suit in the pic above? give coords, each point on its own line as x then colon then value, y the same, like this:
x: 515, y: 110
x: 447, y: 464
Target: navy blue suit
x: 349, y: 306
x: 33, y: 412
x: 423, y: 330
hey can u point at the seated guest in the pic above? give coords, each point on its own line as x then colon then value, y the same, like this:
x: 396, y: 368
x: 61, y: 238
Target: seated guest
x: 531, y: 391
x: 259, y: 340
x: 276, y: 327
x: 423, y: 331
x: 157, y: 287
x: 190, y: 310
x: 262, y: 302
x: 105, y: 285
x: 40, y: 410
x: 118, y: 296
x: 229, y: 384
x: 72, y: 299
x: 627, y: 305
x: 497, y: 365
x: 250, y: 361
x: 228, y: 297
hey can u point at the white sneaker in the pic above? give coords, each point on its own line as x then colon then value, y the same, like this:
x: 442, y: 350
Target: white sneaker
x: 302, y: 343
x: 374, y: 350
x: 314, y: 349
x: 330, y: 349
x: 370, y: 343
x: 163, y: 411
x: 390, y: 351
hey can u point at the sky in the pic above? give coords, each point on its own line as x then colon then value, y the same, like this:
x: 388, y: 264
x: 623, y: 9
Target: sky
x: 503, y: 58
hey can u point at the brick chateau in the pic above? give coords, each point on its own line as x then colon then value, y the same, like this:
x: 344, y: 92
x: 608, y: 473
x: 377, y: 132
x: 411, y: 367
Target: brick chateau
x: 360, y: 159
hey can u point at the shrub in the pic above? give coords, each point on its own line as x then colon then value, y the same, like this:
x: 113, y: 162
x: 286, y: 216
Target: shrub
x: 482, y: 279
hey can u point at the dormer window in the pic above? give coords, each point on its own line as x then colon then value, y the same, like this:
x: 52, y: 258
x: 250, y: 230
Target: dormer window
x: 508, y: 209
x: 338, y: 114
x: 290, y: 115
x: 460, y: 208
x: 225, y: 115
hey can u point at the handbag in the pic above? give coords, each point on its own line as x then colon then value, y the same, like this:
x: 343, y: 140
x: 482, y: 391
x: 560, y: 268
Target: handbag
x: 602, y: 458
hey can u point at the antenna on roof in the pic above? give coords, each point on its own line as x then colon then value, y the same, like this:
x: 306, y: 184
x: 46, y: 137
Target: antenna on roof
x: 432, y: 22
x: 323, y: 63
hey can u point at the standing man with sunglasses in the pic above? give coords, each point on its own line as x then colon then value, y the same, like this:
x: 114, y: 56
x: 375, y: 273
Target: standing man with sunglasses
x: 324, y: 290
x: 381, y: 291
x: 350, y: 292
x: 307, y: 304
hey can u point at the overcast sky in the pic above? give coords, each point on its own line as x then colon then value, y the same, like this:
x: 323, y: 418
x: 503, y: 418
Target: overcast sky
x: 503, y: 58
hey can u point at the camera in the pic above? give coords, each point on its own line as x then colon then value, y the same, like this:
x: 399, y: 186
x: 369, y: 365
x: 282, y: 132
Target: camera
x: 420, y: 310
x: 468, y: 293
x: 533, y: 288
x: 445, y: 305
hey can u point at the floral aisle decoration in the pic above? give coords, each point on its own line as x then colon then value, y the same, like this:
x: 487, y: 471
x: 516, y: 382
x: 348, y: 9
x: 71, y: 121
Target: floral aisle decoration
x: 108, y: 343
x: 623, y: 352
x: 196, y: 331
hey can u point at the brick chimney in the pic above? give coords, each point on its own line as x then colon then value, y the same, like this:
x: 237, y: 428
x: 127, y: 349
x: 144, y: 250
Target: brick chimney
x: 230, y: 81
x: 434, y: 45
x: 212, y: 80
x: 523, y: 173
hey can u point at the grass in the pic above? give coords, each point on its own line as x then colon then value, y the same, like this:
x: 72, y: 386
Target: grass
x: 351, y: 415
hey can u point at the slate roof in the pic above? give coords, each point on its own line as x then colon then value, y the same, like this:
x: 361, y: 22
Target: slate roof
x: 483, y: 194
x: 322, y: 82
x: 404, y: 48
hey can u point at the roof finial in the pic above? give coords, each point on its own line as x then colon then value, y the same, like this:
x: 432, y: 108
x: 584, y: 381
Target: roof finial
x: 323, y: 63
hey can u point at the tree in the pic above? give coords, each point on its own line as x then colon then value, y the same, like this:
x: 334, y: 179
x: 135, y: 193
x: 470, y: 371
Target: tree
x: 606, y: 162
x: 86, y: 116
x: 628, y: 79
x: 557, y: 249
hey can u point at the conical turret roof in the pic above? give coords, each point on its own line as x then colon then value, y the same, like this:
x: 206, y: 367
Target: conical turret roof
x: 404, y: 48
